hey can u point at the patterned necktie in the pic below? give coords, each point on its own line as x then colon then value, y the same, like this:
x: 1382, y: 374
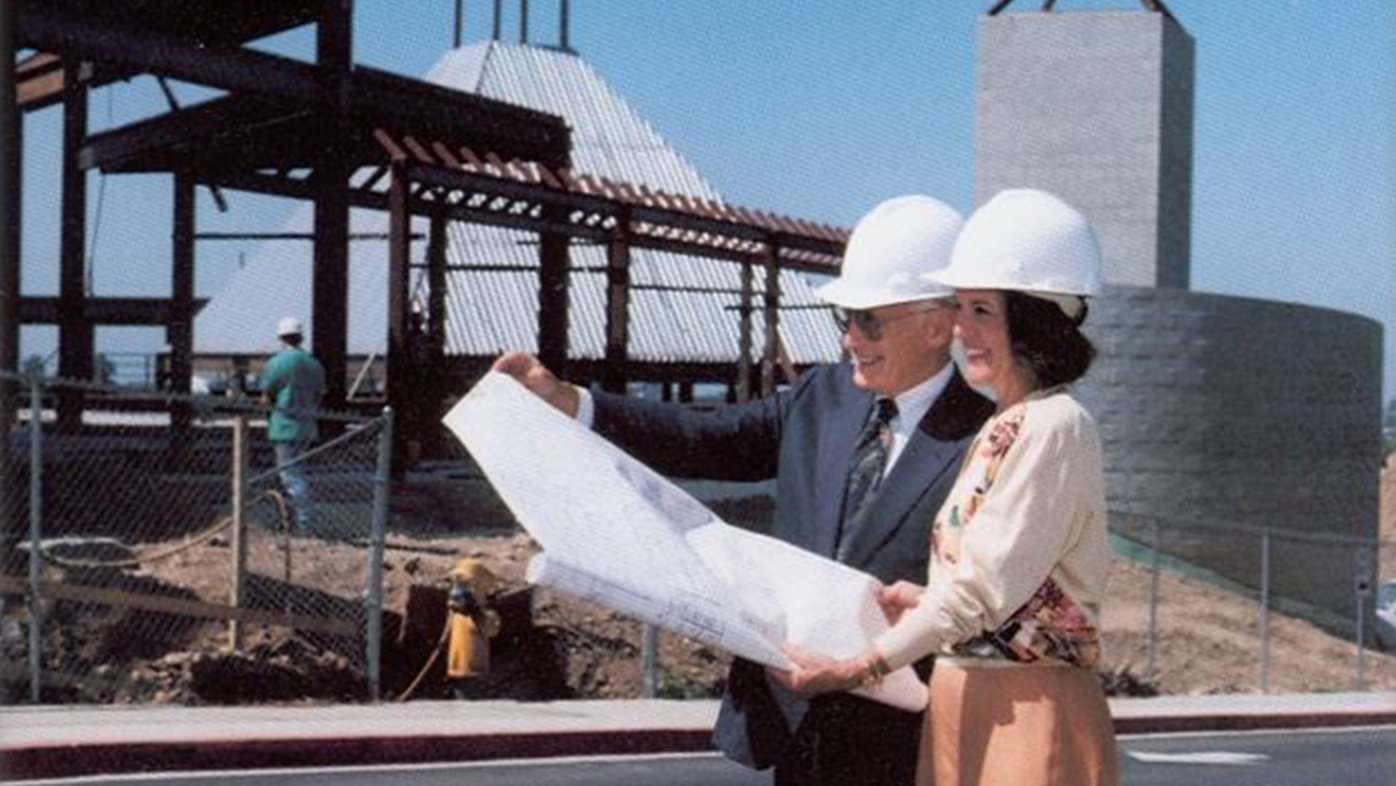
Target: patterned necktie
x: 865, y: 470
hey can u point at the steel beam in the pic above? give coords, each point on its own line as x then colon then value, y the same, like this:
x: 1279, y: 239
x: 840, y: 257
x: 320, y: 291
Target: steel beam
x: 108, y: 42
x: 181, y: 134
x: 130, y: 311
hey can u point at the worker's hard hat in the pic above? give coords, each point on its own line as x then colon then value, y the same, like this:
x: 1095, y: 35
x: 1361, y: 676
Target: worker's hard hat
x: 289, y: 326
x: 890, y: 251
x: 1029, y: 241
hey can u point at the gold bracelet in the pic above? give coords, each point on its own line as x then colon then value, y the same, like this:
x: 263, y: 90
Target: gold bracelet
x: 875, y: 668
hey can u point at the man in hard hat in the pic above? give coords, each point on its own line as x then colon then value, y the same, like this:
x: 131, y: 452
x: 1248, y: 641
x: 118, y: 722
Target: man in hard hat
x: 293, y: 383
x: 863, y: 454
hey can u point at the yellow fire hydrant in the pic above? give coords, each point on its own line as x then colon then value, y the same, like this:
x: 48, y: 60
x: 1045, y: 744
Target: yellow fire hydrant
x: 472, y: 622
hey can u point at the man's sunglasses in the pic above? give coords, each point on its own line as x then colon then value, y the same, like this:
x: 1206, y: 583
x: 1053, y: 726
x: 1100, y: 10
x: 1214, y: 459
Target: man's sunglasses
x: 870, y: 324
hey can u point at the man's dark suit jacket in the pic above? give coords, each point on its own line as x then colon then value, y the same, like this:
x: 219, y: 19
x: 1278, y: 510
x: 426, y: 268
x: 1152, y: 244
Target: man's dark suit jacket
x: 804, y: 438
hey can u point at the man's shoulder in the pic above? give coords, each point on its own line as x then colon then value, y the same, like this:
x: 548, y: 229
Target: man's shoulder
x: 831, y: 380
x: 293, y: 356
x: 275, y: 363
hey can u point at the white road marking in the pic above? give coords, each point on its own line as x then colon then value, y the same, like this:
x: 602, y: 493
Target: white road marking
x: 1199, y: 757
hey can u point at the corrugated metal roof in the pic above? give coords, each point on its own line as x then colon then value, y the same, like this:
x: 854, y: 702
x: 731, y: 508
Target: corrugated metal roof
x: 493, y: 311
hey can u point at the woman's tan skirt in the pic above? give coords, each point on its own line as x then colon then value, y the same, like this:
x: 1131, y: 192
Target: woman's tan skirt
x: 1021, y: 725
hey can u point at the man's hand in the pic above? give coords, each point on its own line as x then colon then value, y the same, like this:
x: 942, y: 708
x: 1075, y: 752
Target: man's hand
x: 898, y: 598
x: 532, y: 374
x: 814, y: 674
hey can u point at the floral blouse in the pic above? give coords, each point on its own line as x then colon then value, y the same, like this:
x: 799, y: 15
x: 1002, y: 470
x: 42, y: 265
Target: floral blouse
x: 1020, y: 548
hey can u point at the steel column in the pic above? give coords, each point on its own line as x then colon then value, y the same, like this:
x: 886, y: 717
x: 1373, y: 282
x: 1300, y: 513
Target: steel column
x: 436, y: 294
x: 179, y: 330
x: 617, y: 309
x: 552, y: 301
x: 10, y: 147
x: 399, y: 260
x: 74, y: 329
x: 330, y: 324
x: 770, y: 354
x: 744, y: 340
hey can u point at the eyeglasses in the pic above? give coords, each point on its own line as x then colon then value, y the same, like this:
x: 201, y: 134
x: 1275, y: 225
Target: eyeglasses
x: 870, y: 324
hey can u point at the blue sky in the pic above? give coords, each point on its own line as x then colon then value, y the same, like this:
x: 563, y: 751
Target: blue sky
x: 820, y: 109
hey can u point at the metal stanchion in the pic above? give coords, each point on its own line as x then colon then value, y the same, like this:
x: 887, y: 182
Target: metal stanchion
x: 36, y: 487
x: 1265, y: 610
x: 649, y: 649
x: 1152, y: 669
x: 239, y: 534
x: 1363, y: 589
x: 374, y: 600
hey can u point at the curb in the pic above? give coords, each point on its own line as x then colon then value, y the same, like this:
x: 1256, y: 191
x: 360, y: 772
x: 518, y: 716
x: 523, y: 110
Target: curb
x: 91, y: 745
x: 1251, y: 722
x: 68, y: 761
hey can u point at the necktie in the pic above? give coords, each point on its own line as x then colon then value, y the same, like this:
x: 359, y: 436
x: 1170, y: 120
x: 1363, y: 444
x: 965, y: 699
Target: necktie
x: 865, y: 470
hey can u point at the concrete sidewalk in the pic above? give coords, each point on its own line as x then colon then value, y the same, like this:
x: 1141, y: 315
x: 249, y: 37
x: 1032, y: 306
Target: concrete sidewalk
x: 63, y: 741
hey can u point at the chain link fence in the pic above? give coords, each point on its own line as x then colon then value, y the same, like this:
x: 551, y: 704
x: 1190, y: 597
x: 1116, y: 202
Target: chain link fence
x: 150, y: 553
x: 1300, y: 584
x: 147, y: 548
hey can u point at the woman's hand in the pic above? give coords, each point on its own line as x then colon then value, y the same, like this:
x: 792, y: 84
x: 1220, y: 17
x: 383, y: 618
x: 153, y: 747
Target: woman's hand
x: 814, y: 674
x: 898, y: 598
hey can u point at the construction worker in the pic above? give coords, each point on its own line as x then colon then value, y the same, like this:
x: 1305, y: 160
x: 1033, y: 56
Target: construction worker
x: 862, y: 454
x: 293, y: 383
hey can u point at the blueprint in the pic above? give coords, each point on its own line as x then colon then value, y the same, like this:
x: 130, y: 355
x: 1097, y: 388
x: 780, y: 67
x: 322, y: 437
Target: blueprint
x: 614, y: 532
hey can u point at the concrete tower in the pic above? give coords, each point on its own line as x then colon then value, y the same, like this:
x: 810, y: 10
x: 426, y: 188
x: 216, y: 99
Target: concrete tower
x: 1096, y: 107
x: 1219, y: 415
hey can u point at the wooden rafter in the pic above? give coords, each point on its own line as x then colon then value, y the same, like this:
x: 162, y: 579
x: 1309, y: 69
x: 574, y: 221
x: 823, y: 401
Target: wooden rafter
x: 514, y: 193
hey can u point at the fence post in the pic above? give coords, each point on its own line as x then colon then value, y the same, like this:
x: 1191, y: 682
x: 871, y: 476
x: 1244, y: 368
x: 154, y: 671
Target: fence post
x: 1153, y: 599
x: 374, y: 600
x: 1363, y: 585
x: 649, y: 659
x: 1265, y: 610
x: 239, y: 539
x: 36, y: 496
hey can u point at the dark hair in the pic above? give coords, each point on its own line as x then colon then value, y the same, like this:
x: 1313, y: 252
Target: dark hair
x: 1046, y: 341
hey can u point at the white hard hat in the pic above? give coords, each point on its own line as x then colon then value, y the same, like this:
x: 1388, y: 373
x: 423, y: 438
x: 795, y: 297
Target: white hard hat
x: 289, y: 326
x: 1029, y: 241
x: 890, y: 251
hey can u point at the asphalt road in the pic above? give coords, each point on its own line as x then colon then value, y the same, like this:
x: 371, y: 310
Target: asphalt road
x: 1347, y: 757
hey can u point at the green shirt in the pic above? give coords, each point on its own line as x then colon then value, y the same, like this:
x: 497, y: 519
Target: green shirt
x: 294, y: 381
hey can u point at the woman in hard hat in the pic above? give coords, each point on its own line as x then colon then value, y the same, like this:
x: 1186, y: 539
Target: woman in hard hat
x: 1019, y: 549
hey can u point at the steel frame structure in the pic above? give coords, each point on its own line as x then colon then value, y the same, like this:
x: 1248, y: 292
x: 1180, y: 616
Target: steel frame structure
x: 304, y: 130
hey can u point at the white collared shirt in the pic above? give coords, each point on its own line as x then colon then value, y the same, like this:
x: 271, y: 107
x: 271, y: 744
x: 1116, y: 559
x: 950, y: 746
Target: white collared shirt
x: 912, y: 405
